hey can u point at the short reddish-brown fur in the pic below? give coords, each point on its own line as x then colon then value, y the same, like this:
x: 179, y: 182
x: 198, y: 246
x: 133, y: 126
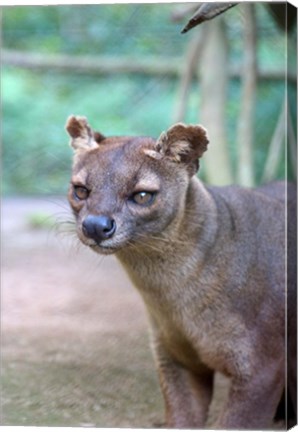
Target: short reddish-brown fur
x: 209, y: 263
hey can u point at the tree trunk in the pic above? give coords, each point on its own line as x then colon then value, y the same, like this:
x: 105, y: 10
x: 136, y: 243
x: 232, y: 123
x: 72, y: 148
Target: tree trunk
x: 213, y: 91
x: 195, y: 48
x: 245, y: 133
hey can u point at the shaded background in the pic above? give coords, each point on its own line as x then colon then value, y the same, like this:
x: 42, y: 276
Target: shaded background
x: 75, y: 347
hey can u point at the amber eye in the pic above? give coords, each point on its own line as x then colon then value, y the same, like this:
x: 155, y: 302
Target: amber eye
x: 143, y: 198
x: 81, y: 192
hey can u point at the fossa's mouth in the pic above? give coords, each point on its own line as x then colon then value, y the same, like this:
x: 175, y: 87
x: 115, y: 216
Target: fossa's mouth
x: 106, y: 247
x: 104, y: 250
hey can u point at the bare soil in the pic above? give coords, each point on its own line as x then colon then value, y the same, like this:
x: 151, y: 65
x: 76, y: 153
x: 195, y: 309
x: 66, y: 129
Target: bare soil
x: 75, y: 345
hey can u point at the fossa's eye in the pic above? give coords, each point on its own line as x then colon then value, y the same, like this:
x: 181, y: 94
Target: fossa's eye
x: 81, y: 192
x: 143, y: 198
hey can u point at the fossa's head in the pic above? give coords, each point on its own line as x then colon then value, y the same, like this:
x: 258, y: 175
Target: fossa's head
x: 126, y: 190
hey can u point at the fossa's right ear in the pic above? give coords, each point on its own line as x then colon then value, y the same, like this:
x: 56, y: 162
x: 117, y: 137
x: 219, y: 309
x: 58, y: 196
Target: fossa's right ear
x: 82, y: 136
x: 183, y: 144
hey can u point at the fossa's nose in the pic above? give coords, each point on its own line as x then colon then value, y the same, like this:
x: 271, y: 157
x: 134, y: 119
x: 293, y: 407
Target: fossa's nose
x: 99, y: 228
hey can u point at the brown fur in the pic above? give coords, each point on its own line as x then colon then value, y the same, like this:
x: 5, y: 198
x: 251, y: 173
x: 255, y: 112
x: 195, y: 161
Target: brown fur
x: 209, y: 263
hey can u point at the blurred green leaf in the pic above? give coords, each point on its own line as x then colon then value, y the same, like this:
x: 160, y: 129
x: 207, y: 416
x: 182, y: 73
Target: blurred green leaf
x: 36, y: 156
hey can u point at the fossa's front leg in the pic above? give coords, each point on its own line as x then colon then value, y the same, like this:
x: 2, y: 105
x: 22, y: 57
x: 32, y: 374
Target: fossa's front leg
x: 252, y: 402
x: 187, y: 395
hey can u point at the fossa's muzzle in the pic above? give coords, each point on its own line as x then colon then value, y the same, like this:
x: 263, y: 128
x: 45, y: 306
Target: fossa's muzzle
x: 99, y: 228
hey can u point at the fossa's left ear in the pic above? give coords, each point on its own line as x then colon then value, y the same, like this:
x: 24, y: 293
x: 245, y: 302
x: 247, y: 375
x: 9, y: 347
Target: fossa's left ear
x: 82, y: 136
x: 183, y: 144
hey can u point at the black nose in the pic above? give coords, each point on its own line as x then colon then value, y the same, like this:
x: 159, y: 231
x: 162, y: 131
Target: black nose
x: 99, y: 227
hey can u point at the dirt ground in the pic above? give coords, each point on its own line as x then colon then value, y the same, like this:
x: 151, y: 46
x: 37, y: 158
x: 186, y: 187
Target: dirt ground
x: 75, y: 348
x: 75, y: 345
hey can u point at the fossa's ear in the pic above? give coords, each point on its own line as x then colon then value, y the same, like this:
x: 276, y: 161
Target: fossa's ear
x: 82, y: 136
x: 183, y: 144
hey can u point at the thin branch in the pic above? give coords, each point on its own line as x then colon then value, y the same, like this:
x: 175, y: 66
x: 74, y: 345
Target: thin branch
x: 106, y: 65
x: 92, y: 65
x: 275, y: 148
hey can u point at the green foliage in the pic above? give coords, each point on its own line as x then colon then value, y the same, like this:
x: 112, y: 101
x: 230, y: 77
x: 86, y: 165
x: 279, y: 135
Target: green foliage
x: 40, y: 220
x: 93, y: 29
x: 34, y: 161
x: 36, y: 157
